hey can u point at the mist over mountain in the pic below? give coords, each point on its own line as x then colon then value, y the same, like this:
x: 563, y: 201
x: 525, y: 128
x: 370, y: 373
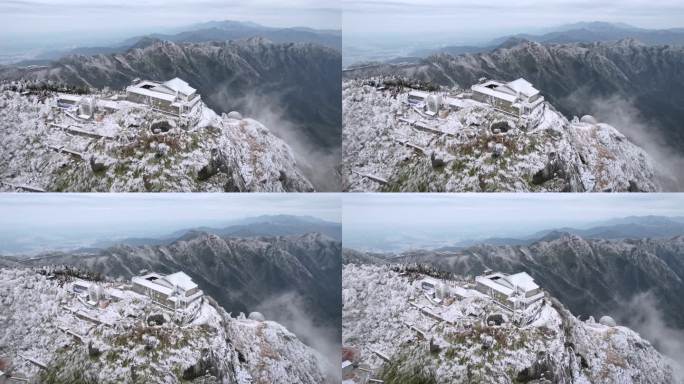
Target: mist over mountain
x: 293, y: 88
x: 51, y: 240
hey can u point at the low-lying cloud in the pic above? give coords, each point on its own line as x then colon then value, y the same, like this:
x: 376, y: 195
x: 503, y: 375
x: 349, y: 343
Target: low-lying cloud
x: 289, y: 309
x: 641, y: 314
x: 318, y: 164
x: 623, y: 114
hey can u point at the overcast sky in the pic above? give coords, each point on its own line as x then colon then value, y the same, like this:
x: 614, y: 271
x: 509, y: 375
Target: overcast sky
x: 467, y: 20
x: 474, y: 216
x: 150, y: 213
x: 92, y: 21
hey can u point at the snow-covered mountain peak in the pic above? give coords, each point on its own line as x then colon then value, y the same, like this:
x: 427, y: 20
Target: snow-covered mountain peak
x: 54, y: 332
x: 390, y: 145
x: 400, y: 333
x: 134, y: 148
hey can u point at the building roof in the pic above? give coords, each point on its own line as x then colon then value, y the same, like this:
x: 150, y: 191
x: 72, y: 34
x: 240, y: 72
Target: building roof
x: 181, y: 280
x: 137, y: 88
x: 419, y: 94
x: 494, y: 284
x: 508, y: 284
x: 508, y: 91
x: 495, y: 92
x: 154, y: 285
x: 180, y: 86
x: 523, y: 281
x: 66, y: 96
x: 523, y: 87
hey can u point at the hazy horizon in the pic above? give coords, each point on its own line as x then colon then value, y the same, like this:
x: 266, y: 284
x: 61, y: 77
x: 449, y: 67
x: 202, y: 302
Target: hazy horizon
x: 69, y: 221
x: 493, y: 18
x: 60, y: 24
x: 383, y: 29
x: 411, y: 221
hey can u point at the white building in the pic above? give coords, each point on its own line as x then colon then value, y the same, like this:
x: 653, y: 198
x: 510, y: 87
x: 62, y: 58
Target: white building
x: 174, y: 96
x: 417, y: 98
x: 434, y: 289
x: 176, y: 290
x: 516, y: 291
x: 518, y: 97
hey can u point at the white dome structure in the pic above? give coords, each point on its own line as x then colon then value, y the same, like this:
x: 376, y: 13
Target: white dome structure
x: 589, y: 119
x: 256, y: 316
x: 234, y: 115
x: 607, y: 321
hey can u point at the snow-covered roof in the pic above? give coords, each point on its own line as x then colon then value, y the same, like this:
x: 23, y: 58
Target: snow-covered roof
x: 523, y: 87
x: 430, y: 280
x: 508, y: 91
x: 507, y: 284
x: 181, y: 86
x: 152, y: 284
x: 494, y: 284
x: 111, y: 104
x: 150, y: 92
x: 460, y: 291
x: 523, y: 281
x: 65, y: 96
x: 181, y: 280
x: 81, y: 283
x: 494, y: 92
x: 418, y: 94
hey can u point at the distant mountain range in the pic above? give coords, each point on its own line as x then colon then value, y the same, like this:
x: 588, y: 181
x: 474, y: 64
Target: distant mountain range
x: 282, y: 266
x: 205, y: 32
x: 266, y: 225
x: 277, y: 225
x: 583, y: 32
x: 633, y: 227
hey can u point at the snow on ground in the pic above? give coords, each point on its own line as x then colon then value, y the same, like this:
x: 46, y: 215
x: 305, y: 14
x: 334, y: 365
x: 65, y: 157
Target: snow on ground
x: 122, y: 341
x: 380, y: 304
x: 481, y: 149
x: 215, y: 153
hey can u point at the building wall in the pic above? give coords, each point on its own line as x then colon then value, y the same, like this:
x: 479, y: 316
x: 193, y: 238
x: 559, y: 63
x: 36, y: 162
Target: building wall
x: 154, y: 295
x: 491, y: 292
x: 496, y: 102
x: 154, y: 103
x: 191, y: 291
